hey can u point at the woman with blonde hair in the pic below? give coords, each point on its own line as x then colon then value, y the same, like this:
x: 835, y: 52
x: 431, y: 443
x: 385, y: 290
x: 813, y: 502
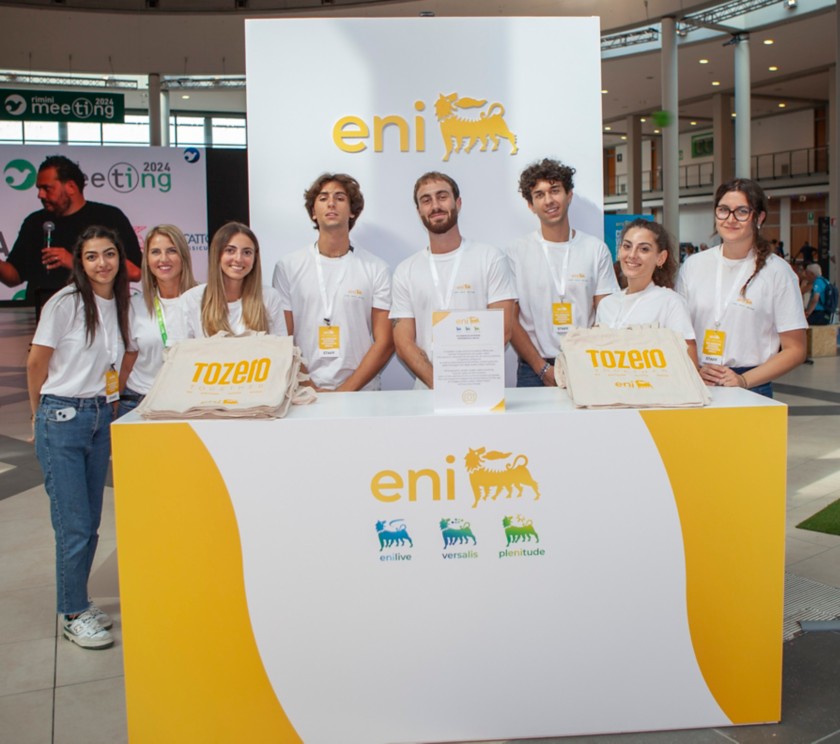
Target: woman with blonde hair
x: 233, y: 300
x: 156, y: 317
x: 743, y: 299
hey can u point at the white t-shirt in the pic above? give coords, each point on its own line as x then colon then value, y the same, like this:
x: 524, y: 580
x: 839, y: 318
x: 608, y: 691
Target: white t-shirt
x: 191, y: 309
x: 147, y: 340
x: 77, y: 370
x: 652, y: 305
x: 354, y: 285
x: 483, y: 277
x: 773, y: 304
x: 589, y: 272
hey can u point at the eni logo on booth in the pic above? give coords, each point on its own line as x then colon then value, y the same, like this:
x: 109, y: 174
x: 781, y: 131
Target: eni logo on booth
x: 490, y: 474
x: 464, y: 123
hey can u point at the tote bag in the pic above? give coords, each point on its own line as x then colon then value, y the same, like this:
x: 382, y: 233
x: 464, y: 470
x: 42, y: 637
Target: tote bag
x: 629, y: 367
x: 249, y: 376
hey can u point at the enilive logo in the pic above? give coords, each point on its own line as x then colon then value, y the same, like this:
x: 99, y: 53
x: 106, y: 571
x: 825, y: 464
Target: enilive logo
x: 15, y: 105
x: 20, y: 174
x: 464, y: 123
x: 232, y: 373
x: 490, y: 474
x: 630, y: 359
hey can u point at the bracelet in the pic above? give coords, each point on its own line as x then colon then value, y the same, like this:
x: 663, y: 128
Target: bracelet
x: 743, y: 382
x: 545, y: 369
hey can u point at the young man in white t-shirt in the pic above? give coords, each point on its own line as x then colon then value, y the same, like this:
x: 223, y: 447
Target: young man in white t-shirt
x: 336, y: 296
x: 449, y: 274
x: 561, y: 274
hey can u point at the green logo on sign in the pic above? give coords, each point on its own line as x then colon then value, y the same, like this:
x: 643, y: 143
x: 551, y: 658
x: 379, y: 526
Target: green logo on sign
x: 20, y: 174
x: 15, y: 105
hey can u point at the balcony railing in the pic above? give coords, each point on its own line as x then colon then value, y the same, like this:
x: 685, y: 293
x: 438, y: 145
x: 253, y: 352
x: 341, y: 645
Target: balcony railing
x: 807, y: 161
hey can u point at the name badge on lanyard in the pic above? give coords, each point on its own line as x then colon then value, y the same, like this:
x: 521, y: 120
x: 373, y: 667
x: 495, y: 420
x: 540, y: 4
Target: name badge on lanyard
x: 562, y: 314
x: 329, y: 335
x: 112, y: 377
x: 714, y: 342
x: 112, y: 385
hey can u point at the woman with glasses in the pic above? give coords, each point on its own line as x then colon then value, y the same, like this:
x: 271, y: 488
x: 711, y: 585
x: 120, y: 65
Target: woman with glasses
x: 744, y: 300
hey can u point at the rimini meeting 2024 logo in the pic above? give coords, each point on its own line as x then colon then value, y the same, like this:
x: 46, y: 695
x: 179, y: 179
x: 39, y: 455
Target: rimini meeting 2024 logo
x: 464, y: 124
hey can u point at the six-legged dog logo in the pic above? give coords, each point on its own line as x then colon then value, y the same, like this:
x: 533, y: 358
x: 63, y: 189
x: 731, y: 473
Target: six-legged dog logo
x: 456, y: 130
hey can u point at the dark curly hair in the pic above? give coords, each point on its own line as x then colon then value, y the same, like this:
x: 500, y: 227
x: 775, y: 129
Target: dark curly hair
x: 663, y: 276
x: 65, y: 169
x: 757, y: 200
x: 351, y: 186
x: 549, y: 170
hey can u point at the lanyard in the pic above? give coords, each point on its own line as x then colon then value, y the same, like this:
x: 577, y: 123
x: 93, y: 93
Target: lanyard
x: 161, y: 319
x: 328, y: 303
x: 110, y: 349
x: 720, y: 310
x: 622, y: 320
x: 559, y: 283
x: 445, y: 301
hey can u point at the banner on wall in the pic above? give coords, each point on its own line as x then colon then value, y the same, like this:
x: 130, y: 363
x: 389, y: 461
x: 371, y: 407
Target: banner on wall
x: 463, y: 96
x: 151, y: 185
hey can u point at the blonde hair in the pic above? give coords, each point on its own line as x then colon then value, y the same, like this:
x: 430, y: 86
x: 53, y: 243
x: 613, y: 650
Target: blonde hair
x: 214, y: 309
x: 148, y: 278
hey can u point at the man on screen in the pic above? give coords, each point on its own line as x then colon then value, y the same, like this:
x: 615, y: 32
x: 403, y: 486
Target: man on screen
x: 42, y: 254
x: 449, y: 274
x: 560, y: 274
x: 335, y: 295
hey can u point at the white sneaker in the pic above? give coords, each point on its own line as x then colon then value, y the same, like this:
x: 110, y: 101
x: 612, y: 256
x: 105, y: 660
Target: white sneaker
x: 102, y: 617
x: 86, y: 632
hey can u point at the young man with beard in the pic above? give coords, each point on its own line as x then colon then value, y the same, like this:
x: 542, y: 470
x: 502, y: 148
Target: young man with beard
x: 449, y: 274
x: 560, y: 274
x: 336, y: 296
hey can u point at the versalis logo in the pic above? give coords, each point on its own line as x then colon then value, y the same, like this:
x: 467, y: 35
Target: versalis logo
x: 456, y: 531
x: 232, y: 373
x: 630, y: 359
x: 464, y: 123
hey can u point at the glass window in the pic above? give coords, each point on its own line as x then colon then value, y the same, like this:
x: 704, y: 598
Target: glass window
x: 229, y: 132
x: 11, y: 131
x: 84, y: 133
x: 189, y: 130
x: 134, y: 131
x: 40, y: 132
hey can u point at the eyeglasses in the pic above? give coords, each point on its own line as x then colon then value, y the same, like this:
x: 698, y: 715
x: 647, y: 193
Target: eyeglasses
x: 742, y: 214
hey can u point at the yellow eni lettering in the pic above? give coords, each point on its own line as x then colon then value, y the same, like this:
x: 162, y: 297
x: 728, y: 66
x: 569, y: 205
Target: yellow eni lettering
x: 235, y: 373
x: 350, y: 132
x: 387, y: 485
x: 349, y: 128
x: 633, y: 359
x: 386, y: 479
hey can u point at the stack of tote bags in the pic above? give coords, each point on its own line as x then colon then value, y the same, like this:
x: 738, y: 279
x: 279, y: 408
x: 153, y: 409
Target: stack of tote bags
x: 640, y: 367
x: 250, y: 376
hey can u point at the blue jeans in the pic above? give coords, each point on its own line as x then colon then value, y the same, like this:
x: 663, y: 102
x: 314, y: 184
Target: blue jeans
x: 129, y: 400
x: 766, y: 389
x: 73, y: 446
x: 526, y: 377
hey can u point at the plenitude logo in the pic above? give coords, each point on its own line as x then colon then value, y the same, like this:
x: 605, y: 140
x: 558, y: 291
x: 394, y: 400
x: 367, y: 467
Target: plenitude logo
x: 490, y: 474
x: 464, y: 123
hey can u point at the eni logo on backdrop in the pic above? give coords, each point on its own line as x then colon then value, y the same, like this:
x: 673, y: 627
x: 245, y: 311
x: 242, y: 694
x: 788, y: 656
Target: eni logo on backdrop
x: 490, y: 474
x: 464, y: 123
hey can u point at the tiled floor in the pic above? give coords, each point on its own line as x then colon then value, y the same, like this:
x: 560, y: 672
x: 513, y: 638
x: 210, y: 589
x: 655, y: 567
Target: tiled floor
x: 52, y: 691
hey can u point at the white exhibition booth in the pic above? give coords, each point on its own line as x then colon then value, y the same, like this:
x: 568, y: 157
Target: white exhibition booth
x: 367, y: 571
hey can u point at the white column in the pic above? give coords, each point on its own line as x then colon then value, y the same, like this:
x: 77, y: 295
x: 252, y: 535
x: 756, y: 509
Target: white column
x: 671, y: 132
x: 155, y: 138
x: 634, y: 165
x: 784, y: 224
x: 743, y: 148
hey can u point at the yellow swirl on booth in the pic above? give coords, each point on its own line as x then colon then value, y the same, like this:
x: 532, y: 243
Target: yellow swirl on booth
x: 183, y: 598
x: 729, y: 483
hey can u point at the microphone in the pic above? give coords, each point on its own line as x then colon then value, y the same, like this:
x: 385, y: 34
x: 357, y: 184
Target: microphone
x: 48, y: 231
